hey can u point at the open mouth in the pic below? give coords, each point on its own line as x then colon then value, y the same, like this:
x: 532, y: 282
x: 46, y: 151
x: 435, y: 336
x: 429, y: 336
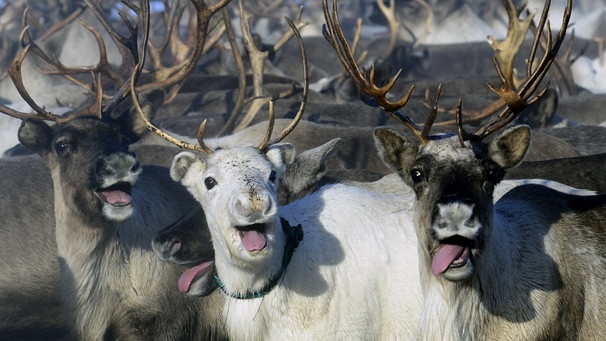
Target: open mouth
x: 118, y: 195
x: 452, y: 253
x: 253, y: 236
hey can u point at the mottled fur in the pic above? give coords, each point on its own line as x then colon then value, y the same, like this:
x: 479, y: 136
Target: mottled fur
x: 531, y: 267
x: 112, y: 284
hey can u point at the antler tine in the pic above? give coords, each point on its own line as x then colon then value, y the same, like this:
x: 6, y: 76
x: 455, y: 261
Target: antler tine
x: 204, y: 14
x: 432, y: 115
x: 267, y: 140
x: 519, y: 100
x: 17, y: 78
x: 365, y: 82
x: 373, y: 95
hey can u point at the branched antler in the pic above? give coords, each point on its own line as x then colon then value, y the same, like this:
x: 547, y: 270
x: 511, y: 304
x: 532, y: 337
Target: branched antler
x: 128, y: 47
x: 267, y: 141
x: 518, y: 98
x: 175, y: 75
x: 370, y: 92
x: 257, y: 62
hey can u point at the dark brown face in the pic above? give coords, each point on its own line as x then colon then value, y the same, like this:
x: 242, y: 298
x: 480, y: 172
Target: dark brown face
x: 89, y: 159
x: 454, y: 188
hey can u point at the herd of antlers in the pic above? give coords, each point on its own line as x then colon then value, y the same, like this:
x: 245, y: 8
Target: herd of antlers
x: 514, y: 94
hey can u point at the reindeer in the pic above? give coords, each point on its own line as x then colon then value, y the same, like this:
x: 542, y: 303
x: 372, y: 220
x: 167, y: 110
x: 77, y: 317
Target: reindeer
x: 106, y: 208
x: 107, y: 278
x: 514, y: 269
x: 295, y: 271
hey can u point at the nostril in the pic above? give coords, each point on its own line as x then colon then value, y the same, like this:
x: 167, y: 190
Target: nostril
x: 174, y: 246
x: 103, y: 168
x: 269, y: 206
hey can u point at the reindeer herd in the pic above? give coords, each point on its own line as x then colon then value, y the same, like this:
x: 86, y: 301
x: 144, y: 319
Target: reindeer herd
x: 115, y: 227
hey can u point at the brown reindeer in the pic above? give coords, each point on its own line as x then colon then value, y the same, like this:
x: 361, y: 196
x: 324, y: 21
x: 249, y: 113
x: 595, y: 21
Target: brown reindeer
x: 106, y: 209
x: 529, y: 266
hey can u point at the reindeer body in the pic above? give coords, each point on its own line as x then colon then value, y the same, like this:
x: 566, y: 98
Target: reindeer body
x: 112, y: 284
x: 528, y: 267
x: 345, y: 278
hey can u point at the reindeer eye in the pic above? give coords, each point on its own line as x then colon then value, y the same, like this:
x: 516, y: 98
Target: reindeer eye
x: 416, y: 175
x: 210, y: 183
x: 272, y: 177
x: 494, y: 175
x: 61, y: 147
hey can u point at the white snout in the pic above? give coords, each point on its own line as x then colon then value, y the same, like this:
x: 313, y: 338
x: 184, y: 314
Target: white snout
x: 251, y: 208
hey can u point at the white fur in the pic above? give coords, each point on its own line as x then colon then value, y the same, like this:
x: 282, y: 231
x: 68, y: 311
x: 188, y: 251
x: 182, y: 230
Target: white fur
x: 354, y: 275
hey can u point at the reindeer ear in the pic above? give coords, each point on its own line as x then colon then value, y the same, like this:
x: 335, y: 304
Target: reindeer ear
x: 181, y: 164
x: 306, y: 172
x: 509, y: 147
x: 36, y: 136
x: 281, y: 154
x: 394, y: 149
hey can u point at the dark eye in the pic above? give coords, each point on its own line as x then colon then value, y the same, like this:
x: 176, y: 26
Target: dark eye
x: 272, y: 177
x: 210, y: 183
x: 494, y: 175
x: 61, y: 147
x: 416, y: 175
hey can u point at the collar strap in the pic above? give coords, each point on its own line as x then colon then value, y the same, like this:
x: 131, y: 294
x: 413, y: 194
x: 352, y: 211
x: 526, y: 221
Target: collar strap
x: 294, y: 235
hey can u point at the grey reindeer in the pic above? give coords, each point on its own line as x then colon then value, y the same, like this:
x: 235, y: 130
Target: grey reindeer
x: 530, y: 266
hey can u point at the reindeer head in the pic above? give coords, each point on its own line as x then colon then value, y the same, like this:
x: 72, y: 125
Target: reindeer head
x: 237, y: 188
x: 454, y: 176
x: 86, y: 149
x: 89, y: 159
x: 454, y: 187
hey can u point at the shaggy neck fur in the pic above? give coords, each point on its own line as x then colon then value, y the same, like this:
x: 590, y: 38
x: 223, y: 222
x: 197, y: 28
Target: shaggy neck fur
x: 495, y: 304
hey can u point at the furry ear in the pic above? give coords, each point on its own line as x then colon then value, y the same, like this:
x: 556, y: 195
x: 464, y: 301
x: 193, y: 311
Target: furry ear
x: 394, y: 149
x: 305, y: 174
x: 181, y: 164
x: 509, y: 147
x: 36, y: 135
x: 281, y: 154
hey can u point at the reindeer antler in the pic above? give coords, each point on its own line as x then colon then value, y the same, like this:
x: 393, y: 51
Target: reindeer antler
x: 130, y: 55
x: 516, y: 94
x: 168, y: 76
x: 370, y: 93
x: 518, y: 99
x: 267, y: 141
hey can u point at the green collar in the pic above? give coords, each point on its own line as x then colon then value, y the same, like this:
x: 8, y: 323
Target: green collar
x: 294, y: 235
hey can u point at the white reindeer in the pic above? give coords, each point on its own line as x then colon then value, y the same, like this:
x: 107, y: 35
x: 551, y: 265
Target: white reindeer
x: 334, y: 276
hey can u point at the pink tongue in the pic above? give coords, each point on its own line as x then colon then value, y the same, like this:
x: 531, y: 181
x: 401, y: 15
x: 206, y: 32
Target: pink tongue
x: 444, y: 256
x: 117, y: 198
x: 253, y: 240
x: 190, y: 274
